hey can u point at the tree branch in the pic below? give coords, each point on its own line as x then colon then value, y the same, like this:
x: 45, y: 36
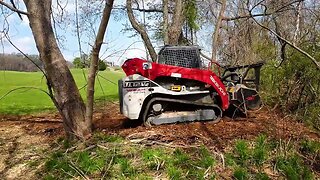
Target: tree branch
x: 26, y: 56
x: 49, y: 86
x: 245, y: 16
x: 150, y: 10
x: 281, y: 9
x: 13, y: 8
x: 19, y: 88
x: 290, y: 44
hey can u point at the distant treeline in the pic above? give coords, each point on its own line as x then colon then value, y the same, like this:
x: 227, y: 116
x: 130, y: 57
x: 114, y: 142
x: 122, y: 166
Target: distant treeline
x: 18, y: 62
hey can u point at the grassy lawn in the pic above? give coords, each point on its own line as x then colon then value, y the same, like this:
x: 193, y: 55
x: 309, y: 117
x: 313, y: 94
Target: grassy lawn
x: 28, y: 100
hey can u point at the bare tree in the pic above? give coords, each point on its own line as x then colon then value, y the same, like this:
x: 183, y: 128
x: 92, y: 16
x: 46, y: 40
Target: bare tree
x: 216, y: 33
x: 175, y: 27
x: 66, y: 97
x: 61, y: 85
x: 173, y: 20
x: 165, y: 21
x: 141, y: 30
x: 95, y: 58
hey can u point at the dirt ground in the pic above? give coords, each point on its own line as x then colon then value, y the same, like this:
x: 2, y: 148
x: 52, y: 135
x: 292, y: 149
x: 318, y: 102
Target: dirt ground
x: 22, y: 138
x: 218, y: 134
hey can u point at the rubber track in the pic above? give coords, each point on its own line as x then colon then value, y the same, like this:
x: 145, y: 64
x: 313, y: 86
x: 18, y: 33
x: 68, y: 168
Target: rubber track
x: 145, y: 113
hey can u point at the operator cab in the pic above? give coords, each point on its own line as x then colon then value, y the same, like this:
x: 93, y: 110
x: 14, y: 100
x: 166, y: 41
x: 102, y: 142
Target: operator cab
x: 182, y: 56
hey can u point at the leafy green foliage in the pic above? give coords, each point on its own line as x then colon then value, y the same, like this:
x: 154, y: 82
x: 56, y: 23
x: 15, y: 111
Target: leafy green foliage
x: 262, y: 176
x: 174, y: 173
x: 195, y: 162
x: 85, y: 63
x: 230, y: 160
x: 77, y: 63
x: 88, y: 163
x: 106, y: 138
x: 180, y: 158
x: 294, y: 85
x: 191, y: 14
x: 154, y: 158
x: 57, y: 161
x: 102, y: 65
x: 206, y: 160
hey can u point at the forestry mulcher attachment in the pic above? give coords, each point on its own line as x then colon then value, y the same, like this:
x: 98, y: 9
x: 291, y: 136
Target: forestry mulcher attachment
x: 178, y: 88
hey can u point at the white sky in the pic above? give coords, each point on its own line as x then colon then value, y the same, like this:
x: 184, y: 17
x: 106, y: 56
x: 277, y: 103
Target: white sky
x: 114, y: 50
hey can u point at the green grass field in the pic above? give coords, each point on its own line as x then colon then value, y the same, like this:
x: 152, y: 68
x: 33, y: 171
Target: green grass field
x: 28, y: 100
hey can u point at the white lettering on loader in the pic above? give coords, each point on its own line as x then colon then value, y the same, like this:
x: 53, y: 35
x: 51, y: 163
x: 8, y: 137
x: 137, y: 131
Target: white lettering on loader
x: 218, y: 86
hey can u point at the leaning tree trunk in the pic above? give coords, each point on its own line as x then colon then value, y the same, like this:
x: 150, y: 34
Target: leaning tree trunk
x: 165, y: 21
x: 141, y: 30
x: 175, y: 27
x: 66, y: 94
x: 215, y: 35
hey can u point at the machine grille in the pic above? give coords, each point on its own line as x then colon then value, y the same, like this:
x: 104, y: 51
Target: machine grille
x: 183, y: 56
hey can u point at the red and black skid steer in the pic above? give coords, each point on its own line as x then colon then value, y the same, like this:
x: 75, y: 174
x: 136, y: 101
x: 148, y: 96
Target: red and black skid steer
x: 178, y: 88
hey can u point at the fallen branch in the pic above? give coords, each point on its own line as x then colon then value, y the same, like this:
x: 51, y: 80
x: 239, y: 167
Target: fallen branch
x: 250, y: 15
x: 170, y: 145
x: 145, y: 135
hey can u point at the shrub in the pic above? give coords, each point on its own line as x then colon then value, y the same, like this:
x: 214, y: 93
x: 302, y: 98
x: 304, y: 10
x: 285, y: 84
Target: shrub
x: 102, y: 65
x: 294, y: 86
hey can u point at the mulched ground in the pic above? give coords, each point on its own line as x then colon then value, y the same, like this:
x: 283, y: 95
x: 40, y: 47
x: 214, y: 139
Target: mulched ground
x: 21, y: 137
x: 109, y: 120
x: 218, y: 134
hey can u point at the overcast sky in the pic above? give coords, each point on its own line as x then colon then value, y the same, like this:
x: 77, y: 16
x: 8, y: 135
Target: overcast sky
x: 20, y: 34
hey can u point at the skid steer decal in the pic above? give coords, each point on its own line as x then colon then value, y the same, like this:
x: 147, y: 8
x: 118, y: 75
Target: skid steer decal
x: 138, y: 84
x: 218, y: 86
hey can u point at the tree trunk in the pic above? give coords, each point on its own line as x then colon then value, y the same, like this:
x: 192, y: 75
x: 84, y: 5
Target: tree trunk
x: 95, y: 58
x: 165, y: 21
x: 177, y: 22
x: 216, y: 33
x: 141, y: 31
x: 66, y: 94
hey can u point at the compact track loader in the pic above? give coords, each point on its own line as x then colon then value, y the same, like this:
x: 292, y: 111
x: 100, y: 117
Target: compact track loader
x: 178, y: 88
